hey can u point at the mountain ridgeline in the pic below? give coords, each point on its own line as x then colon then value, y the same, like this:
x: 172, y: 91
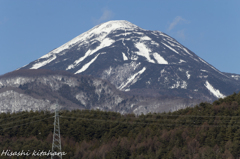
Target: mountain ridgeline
x: 140, y: 62
x: 116, y: 66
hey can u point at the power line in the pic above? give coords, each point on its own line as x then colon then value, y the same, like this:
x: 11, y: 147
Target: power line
x: 157, y: 119
x: 15, y: 116
x: 26, y: 123
x: 162, y: 115
x: 160, y: 124
x: 23, y: 119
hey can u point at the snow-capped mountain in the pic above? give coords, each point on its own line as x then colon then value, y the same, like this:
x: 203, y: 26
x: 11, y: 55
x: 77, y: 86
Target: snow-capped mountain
x: 139, y: 61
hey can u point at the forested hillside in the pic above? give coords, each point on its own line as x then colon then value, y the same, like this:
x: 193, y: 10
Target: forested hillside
x: 205, y: 131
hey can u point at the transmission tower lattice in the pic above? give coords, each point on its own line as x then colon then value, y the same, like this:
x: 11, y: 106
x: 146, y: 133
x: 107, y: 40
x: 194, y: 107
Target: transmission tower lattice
x: 56, y: 144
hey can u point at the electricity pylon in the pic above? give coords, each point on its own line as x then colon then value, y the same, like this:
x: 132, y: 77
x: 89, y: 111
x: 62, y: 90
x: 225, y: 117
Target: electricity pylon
x: 56, y: 144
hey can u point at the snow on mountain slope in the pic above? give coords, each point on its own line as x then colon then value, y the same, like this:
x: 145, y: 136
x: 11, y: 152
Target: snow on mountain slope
x: 87, y: 65
x: 159, y: 59
x: 12, y: 101
x: 132, y: 79
x: 214, y: 91
x: 37, y: 90
x: 133, y: 59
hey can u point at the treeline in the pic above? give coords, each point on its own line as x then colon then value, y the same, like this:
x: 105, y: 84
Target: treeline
x: 205, y: 131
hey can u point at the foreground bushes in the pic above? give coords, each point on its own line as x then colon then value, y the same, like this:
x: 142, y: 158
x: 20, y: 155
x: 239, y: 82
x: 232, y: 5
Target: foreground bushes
x: 205, y: 131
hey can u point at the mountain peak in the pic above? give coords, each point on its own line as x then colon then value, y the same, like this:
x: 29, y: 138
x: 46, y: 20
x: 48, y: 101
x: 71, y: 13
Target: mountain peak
x: 101, y: 31
x: 134, y: 59
x: 115, y: 25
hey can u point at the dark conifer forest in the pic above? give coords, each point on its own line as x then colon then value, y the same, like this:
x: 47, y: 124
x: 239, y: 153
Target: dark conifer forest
x: 204, y: 131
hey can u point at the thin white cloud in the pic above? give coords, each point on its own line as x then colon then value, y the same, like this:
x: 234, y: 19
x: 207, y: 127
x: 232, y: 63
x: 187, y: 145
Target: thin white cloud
x: 106, y: 15
x: 175, y: 22
x: 181, y: 34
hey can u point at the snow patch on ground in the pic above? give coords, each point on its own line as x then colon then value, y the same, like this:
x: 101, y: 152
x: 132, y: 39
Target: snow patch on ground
x: 105, y: 43
x: 176, y: 85
x: 162, y: 71
x: 143, y: 51
x: 126, y: 90
x: 12, y: 101
x: 180, y: 69
x: 202, y: 76
x: 181, y: 84
x: 43, y: 63
x: 212, y: 67
x: 124, y: 57
x: 99, y: 31
x: 154, y: 43
x: 188, y: 75
x: 184, y: 85
x: 86, y: 65
x: 159, y: 59
x: 145, y: 38
x: 236, y: 77
x: 133, y: 79
x: 214, y: 91
x: 194, y: 58
x: 203, y: 70
x: 170, y: 48
x: 181, y: 61
x: 162, y: 34
x: 174, y: 44
x: 118, y: 75
x: 125, y: 34
x: 187, y: 51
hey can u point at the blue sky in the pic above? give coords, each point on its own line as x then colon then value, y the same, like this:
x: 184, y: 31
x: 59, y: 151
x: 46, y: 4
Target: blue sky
x: 30, y: 29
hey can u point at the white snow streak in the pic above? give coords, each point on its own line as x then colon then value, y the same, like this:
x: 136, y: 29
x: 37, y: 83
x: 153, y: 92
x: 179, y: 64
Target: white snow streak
x: 132, y: 79
x: 236, y: 77
x: 124, y: 57
x: 163, y: 34
x: 214, y: 91
x: 175, y: 85
x: 144, y: 51
x: 188, y: 75
x: 126, y: 90
x: 113, y: 25
x: 203, y: 70
x: 170, y: 48
x: 102, y: 29
x: 105, y: 43
x: 203, y: 61
x: 187, y: 51
x: 162, y: 71
x: 125, y: 44
x: 43, y: 63
x: 87, y: 65
x: 182, y: 84
x: 159, y: 59
x: 125, y: 34
x: 181, y: 61
x: 99, y: 32
x: 145, y: 38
